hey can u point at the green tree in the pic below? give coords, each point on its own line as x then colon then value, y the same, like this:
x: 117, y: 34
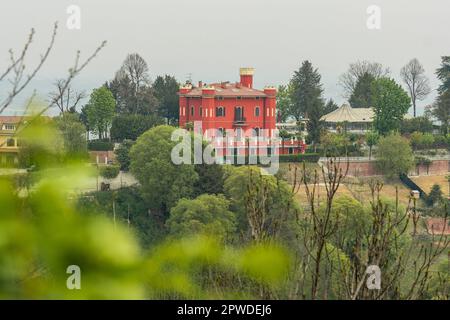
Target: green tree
x: 162, y: 182
x: 443, y: 74
x: 372, y: 138
x: 110, y: 172
x: 416, y: 140
x: 123, y: 154
x: 334, y: 144
x: 361, y: 96
x: 132, y: 89
x: 211, y: 179
x: 315, y: 125
x: 131, y: 126
x: 435, y: 196
x: 100, y: 111
x: 439, y: 287
x: 421, y: 140
x: 284, y: 102
x: 422, y: 124
x: 307, y: 99
x: 352, y: 220
x: 394, y: 155
x: 441, y: 111
x: 264, y: 206
x: 391, y: 103
x: 166, y: 91
x: 330, y: 106
x: 206, y: 214
x: 74, y: 135
x: 357, y: 70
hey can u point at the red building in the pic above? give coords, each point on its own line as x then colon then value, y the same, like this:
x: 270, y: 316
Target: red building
x: 232, y: 106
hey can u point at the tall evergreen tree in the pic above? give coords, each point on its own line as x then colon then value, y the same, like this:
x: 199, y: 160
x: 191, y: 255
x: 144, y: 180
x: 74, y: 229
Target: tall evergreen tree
x: 306, y: 96
x: 441, y: 107
x: 443, y: 74
x: 166, y: 91
x: 330, y: 106
x: 441, y: 110
x: 361, y: 96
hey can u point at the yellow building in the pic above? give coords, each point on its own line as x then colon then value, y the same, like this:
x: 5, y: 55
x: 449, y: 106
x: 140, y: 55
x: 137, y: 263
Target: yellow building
x: 8, y: 142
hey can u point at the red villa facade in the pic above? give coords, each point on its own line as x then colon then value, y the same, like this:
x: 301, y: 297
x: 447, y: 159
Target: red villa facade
x: 233, y: 106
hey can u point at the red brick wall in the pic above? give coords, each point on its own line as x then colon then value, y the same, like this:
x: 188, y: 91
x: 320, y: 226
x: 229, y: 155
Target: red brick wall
x: 360, y: 168
x: 435, y: 168
x: 368, y: 168
x: 101, y: 156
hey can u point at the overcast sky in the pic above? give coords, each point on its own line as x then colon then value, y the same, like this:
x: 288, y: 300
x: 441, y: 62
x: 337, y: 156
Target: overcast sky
x: 211, y: 39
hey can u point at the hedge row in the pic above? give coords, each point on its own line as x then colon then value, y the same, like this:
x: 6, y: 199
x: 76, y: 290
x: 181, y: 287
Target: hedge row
x: 100, y: 145
x: 283, y: 158
x: 307, y: 157
x: 350, y: 151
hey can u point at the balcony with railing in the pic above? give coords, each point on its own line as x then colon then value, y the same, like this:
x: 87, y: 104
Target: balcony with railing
x: 239, y: 121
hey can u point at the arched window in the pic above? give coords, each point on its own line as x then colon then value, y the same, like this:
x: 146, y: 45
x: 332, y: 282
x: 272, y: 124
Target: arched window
x: 256, y: 132
x: 192, y: 111
x: 200, y: 112
x: 238, y: 113
x: 257, y: 112
x: 220, y: 112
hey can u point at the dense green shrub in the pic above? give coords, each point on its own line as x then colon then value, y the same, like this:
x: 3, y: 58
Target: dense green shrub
x: 283, y: 158
x: 307, y: 157
x: 421, y: 140
x: 394, y: 155
x: 132, y: 126
x: 351, y: 150
x: 109, y: 172
x: 420, y: 124
x: 100, y: 145
x: 442, y: 141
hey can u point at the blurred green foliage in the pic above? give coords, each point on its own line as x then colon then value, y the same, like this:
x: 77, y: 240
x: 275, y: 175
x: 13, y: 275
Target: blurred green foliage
x: 46, y: 226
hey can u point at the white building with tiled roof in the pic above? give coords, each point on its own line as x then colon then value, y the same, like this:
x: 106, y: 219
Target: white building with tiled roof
x: 346, y: 118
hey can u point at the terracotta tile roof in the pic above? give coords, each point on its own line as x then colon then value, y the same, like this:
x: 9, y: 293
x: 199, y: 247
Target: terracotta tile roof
x: 10, y: 119
x: 228, y: 90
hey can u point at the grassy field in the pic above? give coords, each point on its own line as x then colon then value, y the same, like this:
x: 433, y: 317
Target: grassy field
x: 427, y: 182
x: 357, y: 188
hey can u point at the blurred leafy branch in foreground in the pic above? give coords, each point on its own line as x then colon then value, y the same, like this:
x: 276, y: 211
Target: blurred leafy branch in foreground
x: 41, y: 234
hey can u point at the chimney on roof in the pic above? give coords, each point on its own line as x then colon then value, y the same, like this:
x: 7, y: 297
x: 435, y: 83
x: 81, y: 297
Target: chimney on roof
x: 247, y: 77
